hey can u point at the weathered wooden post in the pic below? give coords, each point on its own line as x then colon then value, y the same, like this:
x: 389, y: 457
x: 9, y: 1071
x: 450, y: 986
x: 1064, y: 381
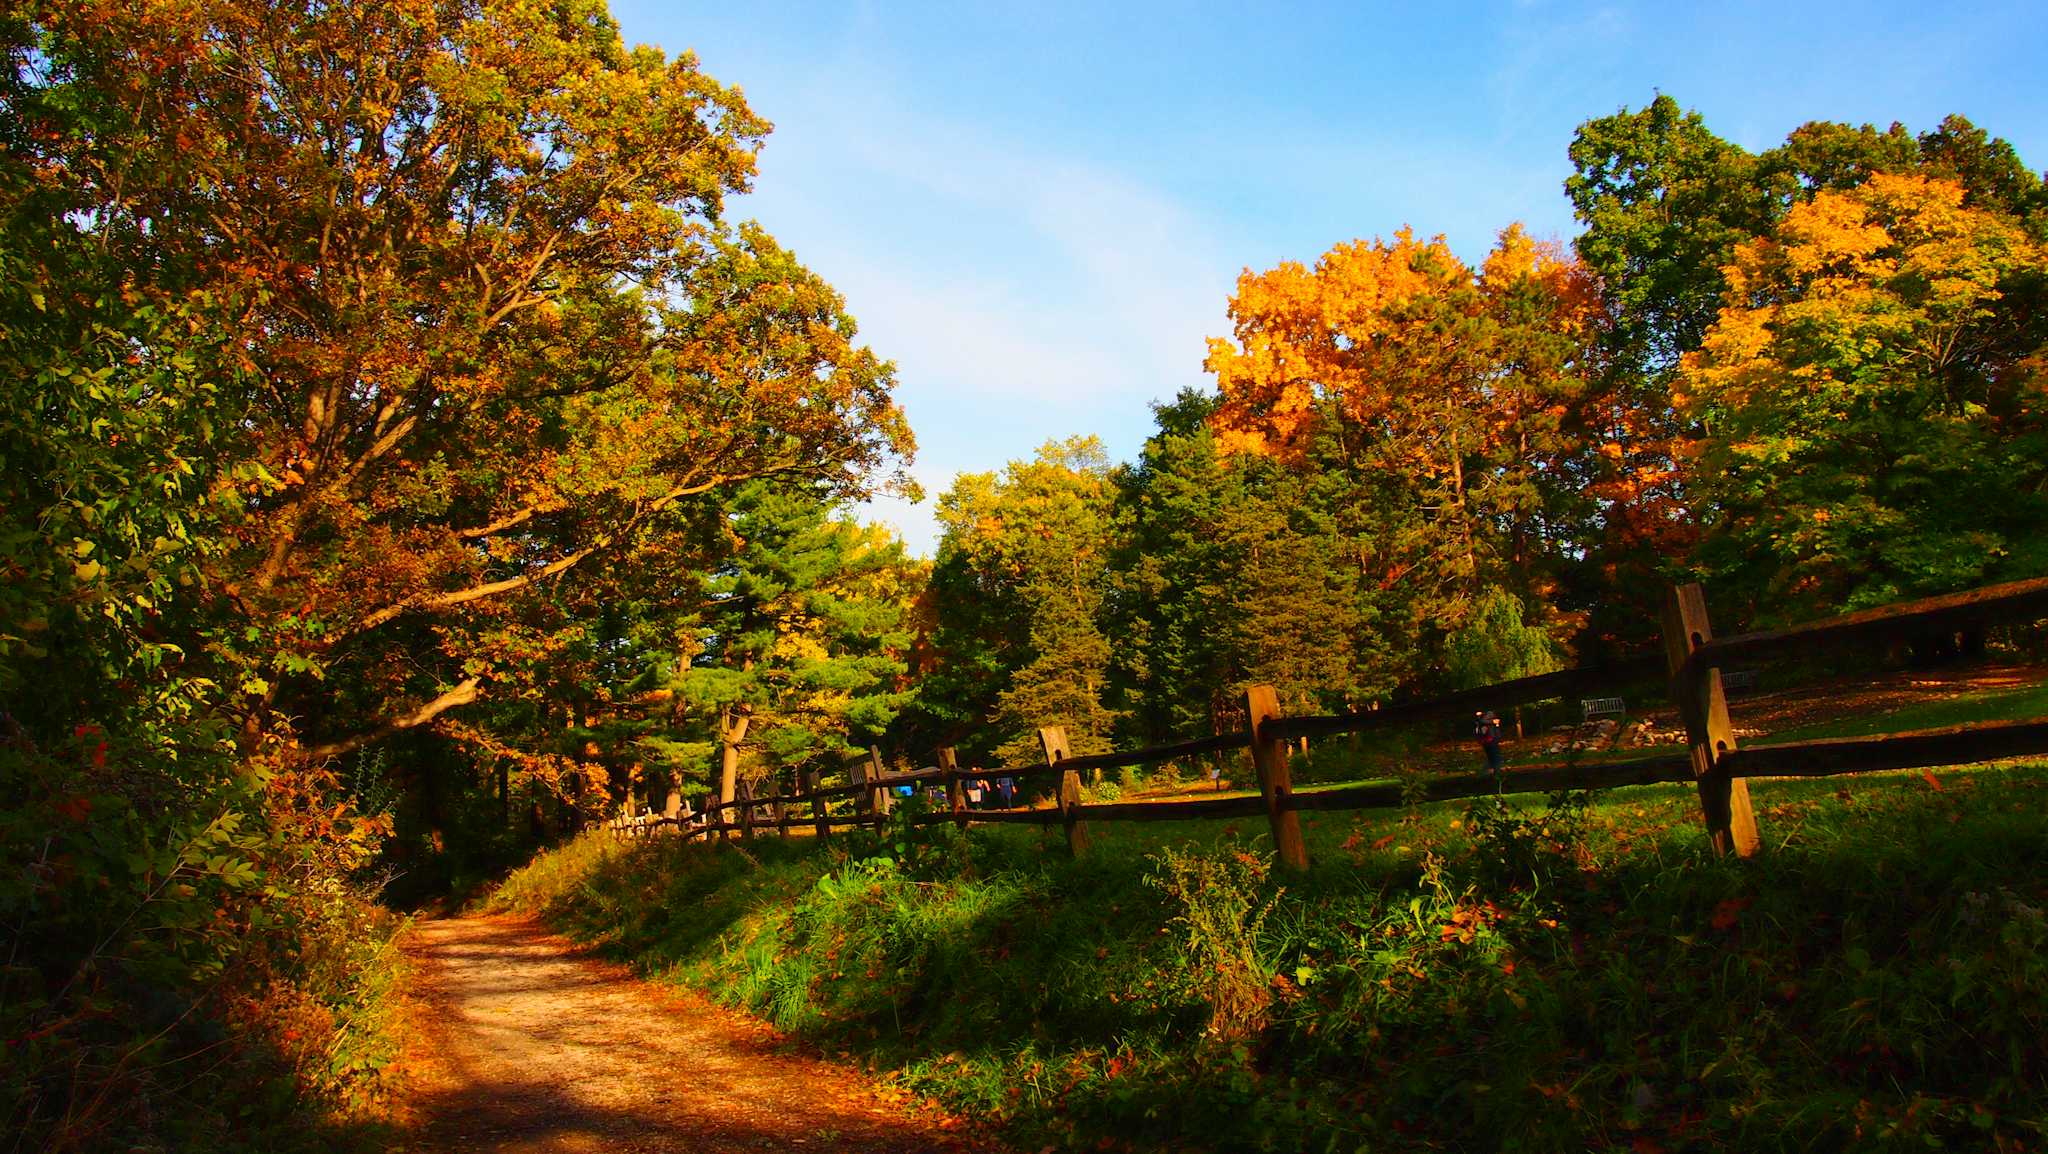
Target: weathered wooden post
x: 1053, y: 740
x: 956, y: 789
x: 746, y: 800
x: 1724, y: 800
x: 1269, y: 758
x: 781, y: 805
x: 819, y: 820
x: 863, y: 798
x: 883, y: 799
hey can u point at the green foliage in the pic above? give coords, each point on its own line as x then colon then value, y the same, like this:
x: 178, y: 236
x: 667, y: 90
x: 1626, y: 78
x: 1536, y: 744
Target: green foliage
x: 1867, y: 432
x: 1017, y: 591
x: 801, y: 639
x: 327, y: 423
x: 1537, y: 850
x: 1664, y: 202
x: 1229, y: 572
x: 153, y: 910
x: 1494, y: 645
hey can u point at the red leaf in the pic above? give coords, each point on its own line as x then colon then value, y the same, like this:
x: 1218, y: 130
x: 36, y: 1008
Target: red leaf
x: 1728, y: 913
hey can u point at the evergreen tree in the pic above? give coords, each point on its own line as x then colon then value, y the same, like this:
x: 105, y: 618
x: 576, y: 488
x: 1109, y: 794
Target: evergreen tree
x: 1017, y: 589
x: 802, y: 641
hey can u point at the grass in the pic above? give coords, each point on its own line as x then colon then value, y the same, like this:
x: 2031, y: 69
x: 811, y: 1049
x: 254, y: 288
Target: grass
x: 1504, y: 975
x: 1962, y: 709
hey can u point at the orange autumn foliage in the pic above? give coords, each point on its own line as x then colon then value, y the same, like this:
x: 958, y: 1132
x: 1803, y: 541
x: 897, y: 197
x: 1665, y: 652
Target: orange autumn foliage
x: 1463, y: 388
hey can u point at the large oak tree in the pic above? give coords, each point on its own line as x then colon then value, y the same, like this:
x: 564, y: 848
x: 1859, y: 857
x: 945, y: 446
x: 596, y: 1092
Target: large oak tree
x: 464, y: 268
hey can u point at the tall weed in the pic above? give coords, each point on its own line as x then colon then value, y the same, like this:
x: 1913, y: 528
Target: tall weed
x: 1222, y: 907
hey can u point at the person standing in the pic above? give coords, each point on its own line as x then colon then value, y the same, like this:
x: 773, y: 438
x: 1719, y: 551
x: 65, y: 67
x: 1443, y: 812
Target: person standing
x: 1486, y: 728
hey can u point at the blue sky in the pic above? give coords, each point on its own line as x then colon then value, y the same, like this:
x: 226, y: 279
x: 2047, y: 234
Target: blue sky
x: 1038, y: 210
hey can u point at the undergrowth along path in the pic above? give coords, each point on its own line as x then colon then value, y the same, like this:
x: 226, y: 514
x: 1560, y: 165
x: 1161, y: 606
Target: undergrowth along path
x: 528, y: 1046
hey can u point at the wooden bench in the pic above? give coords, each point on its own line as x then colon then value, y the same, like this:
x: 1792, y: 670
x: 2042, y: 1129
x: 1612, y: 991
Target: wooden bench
x: 1592, y: 707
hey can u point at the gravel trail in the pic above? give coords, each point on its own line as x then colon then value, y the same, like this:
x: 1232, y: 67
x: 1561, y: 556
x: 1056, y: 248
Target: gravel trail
x: 526, y: 1046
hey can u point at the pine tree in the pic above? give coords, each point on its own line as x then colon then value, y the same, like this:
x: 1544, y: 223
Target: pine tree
x: 803, y: 639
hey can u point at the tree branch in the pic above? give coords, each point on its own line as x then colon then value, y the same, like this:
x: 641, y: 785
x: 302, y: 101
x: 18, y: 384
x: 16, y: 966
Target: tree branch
x: 462, y: 694
x: 521, y: 517
x: 456, y: 597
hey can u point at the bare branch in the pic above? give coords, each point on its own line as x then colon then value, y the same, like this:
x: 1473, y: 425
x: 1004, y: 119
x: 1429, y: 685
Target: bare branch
x: 509, y: 520
x: 462, y: 694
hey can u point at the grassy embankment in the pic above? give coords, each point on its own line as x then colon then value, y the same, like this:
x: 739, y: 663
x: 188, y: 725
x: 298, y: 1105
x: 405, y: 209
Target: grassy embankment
x: 1457, y: 977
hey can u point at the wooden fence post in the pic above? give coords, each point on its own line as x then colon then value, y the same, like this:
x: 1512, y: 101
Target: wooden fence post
x: 780, y: 807
x: 1053, y: 740
x: 956, y: 790
x: 863, y: 799
x: 1724, y: 800
x: 1269, y: 757
x: 812, y: 783
x: 746, y: 799
x: 883, y: 799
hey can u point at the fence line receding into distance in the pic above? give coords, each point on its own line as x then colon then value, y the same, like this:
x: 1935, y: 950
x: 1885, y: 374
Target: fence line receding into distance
x: 1692, y: 659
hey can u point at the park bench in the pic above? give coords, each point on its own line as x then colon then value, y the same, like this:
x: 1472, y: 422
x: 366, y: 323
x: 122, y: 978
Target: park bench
x: 1592, y: 707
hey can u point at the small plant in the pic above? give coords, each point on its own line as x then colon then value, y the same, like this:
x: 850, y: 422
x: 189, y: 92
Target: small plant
x: 1222, y: 910
x: 1519, y: 849
x: 922, y: 847
x: 1414, y: 780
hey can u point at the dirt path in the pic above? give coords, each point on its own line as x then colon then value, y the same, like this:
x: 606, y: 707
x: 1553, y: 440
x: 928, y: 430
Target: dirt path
x: 525, y: 1045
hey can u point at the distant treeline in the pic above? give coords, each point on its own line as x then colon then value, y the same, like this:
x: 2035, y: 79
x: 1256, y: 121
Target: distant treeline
x: 1812, y: 377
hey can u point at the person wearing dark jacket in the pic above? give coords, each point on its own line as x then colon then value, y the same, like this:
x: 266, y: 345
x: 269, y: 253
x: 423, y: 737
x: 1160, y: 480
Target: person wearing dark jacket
x: 1486, y: 728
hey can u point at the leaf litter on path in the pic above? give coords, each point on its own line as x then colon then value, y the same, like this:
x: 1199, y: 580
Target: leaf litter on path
x: 525, y: 1045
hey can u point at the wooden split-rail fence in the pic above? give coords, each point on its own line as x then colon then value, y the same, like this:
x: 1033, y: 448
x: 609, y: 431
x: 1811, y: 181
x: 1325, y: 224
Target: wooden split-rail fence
x: 1692, y: 660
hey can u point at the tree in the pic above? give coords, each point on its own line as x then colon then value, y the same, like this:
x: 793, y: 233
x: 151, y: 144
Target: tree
x: 1664, y: 202
x: 1870, y: 400
x: 1445, y: 392
x: 800, y: 651
x: 362, y: 360
x: 1231, y: 571
x: 468, y: 260
x: 1496, y: 645
x: 1017, y: 590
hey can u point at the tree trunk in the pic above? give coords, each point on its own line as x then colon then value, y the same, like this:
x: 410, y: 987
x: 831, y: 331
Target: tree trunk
x: 731, y: 731
x: 731, y: 734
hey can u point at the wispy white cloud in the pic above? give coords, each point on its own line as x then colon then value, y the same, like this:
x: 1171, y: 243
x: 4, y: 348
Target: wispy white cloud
x: 1023, y: 293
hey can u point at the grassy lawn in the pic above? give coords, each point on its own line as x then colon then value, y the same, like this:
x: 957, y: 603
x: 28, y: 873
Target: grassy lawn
x: 1494, y: 975
x: 2015, y: 704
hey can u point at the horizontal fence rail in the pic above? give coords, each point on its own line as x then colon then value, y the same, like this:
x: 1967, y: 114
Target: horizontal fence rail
x: 1904, y: 621
x: 1541, y: 687
x: 1692, y: 661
